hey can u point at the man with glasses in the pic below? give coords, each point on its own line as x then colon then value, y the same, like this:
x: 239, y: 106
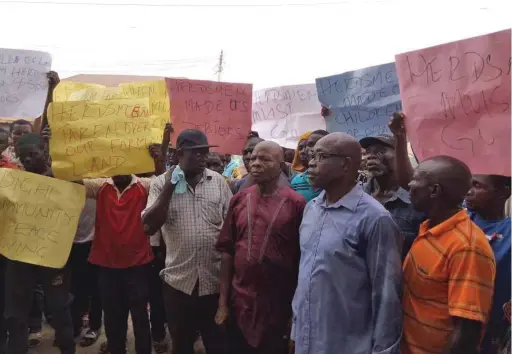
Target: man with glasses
x: 350, y: 275
x: 188, y: 204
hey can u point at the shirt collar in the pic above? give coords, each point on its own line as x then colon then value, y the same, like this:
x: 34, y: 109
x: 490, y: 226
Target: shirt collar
x: 400, y: 193
x: 349, y: 200
x: 134, y: 180
x: 445, y: 226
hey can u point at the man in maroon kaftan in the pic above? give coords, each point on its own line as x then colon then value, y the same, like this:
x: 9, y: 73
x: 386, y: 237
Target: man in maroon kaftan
x: 259, y: 242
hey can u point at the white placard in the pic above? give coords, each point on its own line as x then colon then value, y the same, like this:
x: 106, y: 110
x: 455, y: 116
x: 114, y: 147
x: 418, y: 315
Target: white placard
x: 282, y: 114
x: 23, y: 82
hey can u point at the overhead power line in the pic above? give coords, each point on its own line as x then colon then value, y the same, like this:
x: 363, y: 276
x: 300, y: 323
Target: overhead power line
x: 183, y: 5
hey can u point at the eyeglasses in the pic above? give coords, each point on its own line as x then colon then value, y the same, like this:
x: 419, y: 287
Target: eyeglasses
x: 319, y: 156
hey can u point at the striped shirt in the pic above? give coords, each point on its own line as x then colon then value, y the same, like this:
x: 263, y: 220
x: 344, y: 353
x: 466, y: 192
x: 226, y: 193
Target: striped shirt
x: 191, y: 231
x: 449, y: 272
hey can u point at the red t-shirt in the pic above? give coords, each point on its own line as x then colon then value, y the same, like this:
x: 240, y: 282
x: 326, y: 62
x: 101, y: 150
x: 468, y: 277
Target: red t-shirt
x: 119, y: 240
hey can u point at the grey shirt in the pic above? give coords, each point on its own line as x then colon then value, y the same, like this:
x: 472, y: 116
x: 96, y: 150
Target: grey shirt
x: 348, y: 298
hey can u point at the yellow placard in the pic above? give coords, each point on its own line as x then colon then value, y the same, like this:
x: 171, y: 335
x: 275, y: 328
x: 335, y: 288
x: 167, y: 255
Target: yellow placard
x: 102, y: 138
x: 66, y: 88
x: 98, y: 94
x: 39, y: 217
x: 155, y: 90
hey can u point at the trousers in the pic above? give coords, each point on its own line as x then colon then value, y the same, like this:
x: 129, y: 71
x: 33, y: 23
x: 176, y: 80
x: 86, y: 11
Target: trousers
x: 156, y: 300
x: 20, y: 282
x: 189, y: 314
x: 85, y: 288
x: 124, y: 292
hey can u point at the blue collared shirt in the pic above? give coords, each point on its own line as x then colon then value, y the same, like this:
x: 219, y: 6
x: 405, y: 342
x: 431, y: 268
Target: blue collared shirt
x: 400, y: 208
x: 348, y: 298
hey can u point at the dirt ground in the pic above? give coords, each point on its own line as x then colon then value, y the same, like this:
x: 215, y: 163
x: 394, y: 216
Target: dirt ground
x: 48, y: 348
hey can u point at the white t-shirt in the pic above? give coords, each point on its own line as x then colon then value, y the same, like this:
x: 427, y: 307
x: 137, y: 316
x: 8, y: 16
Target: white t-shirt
x: 86, y: 222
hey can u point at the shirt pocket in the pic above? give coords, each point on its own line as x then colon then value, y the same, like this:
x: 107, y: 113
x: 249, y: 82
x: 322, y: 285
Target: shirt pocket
x: 212, y: 212
x: 431, y: 281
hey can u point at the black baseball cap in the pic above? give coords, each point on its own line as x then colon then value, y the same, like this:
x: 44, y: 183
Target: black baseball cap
x: 386, y: 140
x: 192, y: 139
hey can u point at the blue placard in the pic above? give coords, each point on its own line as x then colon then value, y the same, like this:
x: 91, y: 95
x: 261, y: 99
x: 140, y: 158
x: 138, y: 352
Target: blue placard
x: 361, y: 101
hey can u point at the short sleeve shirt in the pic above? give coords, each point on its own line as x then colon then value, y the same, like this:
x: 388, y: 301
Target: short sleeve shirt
x: 449, y: 272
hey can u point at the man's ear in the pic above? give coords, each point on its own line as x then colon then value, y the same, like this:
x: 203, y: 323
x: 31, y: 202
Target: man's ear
x: 436, y: 190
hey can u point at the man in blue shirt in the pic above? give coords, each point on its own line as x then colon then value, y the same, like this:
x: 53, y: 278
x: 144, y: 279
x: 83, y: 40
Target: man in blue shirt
x: 383, y: 186
x: 485, y: 202
x: 350, y: 274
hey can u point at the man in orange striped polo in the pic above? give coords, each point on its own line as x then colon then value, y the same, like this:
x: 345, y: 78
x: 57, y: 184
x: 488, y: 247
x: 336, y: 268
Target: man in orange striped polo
x: 450, y: 269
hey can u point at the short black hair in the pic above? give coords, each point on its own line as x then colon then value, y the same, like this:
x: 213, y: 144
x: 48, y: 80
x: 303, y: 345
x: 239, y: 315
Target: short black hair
x: 320, y: 132
x: 19, y: 122
x: 499, y: 181
x: 30, y: 139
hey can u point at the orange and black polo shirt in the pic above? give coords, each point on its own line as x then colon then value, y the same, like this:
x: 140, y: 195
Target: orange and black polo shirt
x: 449, y: 272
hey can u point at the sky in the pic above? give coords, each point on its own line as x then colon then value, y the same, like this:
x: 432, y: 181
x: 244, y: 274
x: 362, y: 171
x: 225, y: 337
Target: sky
x: 265, y: 42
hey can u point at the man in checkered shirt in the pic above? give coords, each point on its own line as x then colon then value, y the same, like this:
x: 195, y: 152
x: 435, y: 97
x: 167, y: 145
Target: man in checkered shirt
x: 189, y: 204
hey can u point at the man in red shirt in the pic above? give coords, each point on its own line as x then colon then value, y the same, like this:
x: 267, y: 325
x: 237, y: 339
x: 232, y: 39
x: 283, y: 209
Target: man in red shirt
x: 123, y: 252
x: 259, y: 243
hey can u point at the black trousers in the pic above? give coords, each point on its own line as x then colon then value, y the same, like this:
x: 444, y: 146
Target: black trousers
x: 20, y: 281
x: 272, y: 343
x: 126, y: 291
x: 156, y: 300
x: 189, y: 314
x: 85, y: 288
x: 35, y: 317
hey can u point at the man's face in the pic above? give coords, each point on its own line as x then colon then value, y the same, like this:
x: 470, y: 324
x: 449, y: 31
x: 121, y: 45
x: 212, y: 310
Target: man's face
x: 303, y: 156
x: 18, y: 130
x: 193, y: 161
x: 325, y: 167
x: 214, y: 163
x: 482, y: 193
x: 4, y: 140
x: 122, y: 180
x: 420, y: 190
x: 32, y: 158
x: 313, y: 138
x: 247, y: 152
x: 264, y: 166
x: 380, y: 160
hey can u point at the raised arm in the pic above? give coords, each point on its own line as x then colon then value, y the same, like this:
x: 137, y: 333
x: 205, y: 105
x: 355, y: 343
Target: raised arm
x: 159, y: 199
x: 53, y: 81
x: 166, y: 142
x: 403, y: 167
x: 384, y: 261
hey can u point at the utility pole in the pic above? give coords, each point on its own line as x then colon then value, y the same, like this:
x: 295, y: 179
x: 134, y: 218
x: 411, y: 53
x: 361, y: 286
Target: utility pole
x: 220, y: 66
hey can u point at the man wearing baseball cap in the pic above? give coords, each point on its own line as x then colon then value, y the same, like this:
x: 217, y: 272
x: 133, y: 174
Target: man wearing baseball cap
x: 188, y: 204
x: 383, y: 186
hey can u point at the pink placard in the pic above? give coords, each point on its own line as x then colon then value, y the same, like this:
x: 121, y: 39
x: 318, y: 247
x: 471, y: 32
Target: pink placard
x: 223, y: 111
x: 456, y: 98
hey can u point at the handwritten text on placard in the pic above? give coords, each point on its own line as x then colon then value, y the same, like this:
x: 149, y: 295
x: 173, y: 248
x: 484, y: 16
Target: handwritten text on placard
x: 457, y: 100
x: 282, y: 114
x: 39, y: 217
x: 361, y: 101
x: 23, y: 82
x: 103, y: 138
x: 221, y: 110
